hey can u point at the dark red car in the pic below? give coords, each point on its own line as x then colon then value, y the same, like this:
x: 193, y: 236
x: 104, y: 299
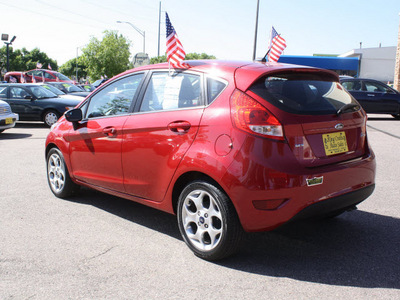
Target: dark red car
x: 227, y: 146
x: 39, y: 75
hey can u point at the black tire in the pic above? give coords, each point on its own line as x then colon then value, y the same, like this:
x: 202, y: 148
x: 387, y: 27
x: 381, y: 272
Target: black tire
x: 50, y: 117
x: 208, y: 221
x: 58, y: 178
x: 396, y: 116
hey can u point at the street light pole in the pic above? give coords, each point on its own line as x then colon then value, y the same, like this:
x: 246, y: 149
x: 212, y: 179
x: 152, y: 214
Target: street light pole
x: 138, y: 30
x: 8, y: 51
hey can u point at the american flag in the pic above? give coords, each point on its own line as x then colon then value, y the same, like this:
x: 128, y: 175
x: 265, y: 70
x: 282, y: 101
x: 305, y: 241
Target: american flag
x: 38, y: 65
x: 276, y: 46
x: 22, y: 80
x: 49, y: 67
x: 175, y: 52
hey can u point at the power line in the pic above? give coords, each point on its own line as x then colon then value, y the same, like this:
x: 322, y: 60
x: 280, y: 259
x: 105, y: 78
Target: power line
x: 69, y: 11
x: 49, y: 16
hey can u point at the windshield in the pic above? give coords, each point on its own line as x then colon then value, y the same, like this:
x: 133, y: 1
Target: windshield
x: 40, y: 92
x: 87, y: 87
x: 303, y: 93
x: 62, y: 77
x: 53, y: 89
x: 71, y: 88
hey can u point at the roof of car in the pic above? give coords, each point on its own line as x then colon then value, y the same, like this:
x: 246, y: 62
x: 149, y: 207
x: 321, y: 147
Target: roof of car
x: 358, y: 78
x: 16, y: 84
x: 249, y: 71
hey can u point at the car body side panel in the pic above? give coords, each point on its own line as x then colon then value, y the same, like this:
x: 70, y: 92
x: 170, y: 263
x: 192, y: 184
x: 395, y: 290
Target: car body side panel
x: 151, y: 150
x: 95, y: 152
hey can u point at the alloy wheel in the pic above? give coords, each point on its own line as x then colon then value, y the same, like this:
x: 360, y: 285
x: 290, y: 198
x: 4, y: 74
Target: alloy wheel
x: 202, y: 220
x: 56, y: 173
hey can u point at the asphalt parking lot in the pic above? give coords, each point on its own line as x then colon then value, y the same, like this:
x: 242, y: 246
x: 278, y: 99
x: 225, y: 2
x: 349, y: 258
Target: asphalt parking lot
x: 96, y: 246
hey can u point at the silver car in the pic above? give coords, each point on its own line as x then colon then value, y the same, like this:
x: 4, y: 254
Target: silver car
x: 7, y: 117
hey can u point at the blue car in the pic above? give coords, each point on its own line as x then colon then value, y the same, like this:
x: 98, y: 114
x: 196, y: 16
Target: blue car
x: 374, y: 96
x: 35, y: 103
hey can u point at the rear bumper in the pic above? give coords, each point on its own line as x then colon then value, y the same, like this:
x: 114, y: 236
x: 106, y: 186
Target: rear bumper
x: 266, y: 199
x: 4, y: 123
x: 335, y: 204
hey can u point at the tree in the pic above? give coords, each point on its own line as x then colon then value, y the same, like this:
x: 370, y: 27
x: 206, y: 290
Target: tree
x: 69, y: 68
x: 24, y: 60
x: 109, y: 57
x: 189, y: 56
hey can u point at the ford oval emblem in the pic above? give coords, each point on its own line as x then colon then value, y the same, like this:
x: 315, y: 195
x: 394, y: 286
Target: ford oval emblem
x: 339, y: 126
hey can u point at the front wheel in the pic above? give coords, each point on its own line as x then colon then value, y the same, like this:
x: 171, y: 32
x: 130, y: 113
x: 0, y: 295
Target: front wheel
x: 208, y: 221
x: 57, y: 175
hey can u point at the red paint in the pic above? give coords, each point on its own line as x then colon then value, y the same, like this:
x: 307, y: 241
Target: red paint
x: 142, y: 156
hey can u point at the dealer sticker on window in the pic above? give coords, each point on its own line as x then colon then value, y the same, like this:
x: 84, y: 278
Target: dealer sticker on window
x: 335, y: 143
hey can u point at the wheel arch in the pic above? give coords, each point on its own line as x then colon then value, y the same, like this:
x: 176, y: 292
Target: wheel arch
x: 49, y: 147
x: 185, y: 179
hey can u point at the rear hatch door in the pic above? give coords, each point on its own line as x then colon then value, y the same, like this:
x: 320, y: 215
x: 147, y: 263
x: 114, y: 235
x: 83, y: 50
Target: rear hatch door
x: 322, y: 122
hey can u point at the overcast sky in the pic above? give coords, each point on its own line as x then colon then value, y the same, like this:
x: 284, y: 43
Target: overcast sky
x: 224, y: 28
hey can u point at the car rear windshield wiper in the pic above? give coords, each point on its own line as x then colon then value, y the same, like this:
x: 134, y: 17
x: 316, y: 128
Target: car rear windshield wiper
x: 347, y: 107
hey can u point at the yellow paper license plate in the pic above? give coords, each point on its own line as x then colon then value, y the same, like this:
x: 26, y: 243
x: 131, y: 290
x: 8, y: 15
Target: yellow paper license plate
x: 9, y: 121
x: 335, y: 143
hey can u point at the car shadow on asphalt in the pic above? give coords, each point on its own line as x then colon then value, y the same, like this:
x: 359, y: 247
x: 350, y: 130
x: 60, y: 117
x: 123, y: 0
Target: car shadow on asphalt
x: 27, y: 124
x: 14, y: 136
x: 358, y: 248
x: 134, y: 212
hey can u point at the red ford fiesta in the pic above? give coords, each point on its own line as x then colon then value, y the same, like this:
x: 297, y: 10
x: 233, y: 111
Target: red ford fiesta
x: 227, y: 146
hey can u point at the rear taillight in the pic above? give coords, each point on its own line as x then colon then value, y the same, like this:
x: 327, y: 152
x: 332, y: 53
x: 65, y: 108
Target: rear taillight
x: 251, y: 116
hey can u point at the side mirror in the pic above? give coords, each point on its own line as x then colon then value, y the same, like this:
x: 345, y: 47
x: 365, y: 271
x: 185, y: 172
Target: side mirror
x: 74, y: 115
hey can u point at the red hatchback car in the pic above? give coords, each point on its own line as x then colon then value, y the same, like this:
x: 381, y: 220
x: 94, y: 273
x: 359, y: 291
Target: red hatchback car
x: 227, y: 146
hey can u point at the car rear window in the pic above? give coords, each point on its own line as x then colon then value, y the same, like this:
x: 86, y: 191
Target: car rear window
x: 303, y: 93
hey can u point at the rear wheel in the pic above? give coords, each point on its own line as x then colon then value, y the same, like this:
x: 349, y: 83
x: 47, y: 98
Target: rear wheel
x: 50, y: 117
x: 57, y: 175
x: 208, y: 221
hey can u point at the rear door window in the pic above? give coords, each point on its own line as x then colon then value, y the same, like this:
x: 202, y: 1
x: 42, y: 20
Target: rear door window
x: 303, y: 93
x: 171, y: 92
x: 375, y: 87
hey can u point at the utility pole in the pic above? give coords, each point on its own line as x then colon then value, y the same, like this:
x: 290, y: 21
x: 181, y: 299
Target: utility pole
x: 159, y: 22
x: 396, y: 83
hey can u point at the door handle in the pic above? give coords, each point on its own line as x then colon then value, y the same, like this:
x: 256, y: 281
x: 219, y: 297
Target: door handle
x: 109, y: 131
x: 179, y: 126
x: 370, y: 95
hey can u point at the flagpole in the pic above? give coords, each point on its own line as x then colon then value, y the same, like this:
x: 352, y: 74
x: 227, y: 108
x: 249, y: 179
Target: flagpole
x: 255, y: 32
